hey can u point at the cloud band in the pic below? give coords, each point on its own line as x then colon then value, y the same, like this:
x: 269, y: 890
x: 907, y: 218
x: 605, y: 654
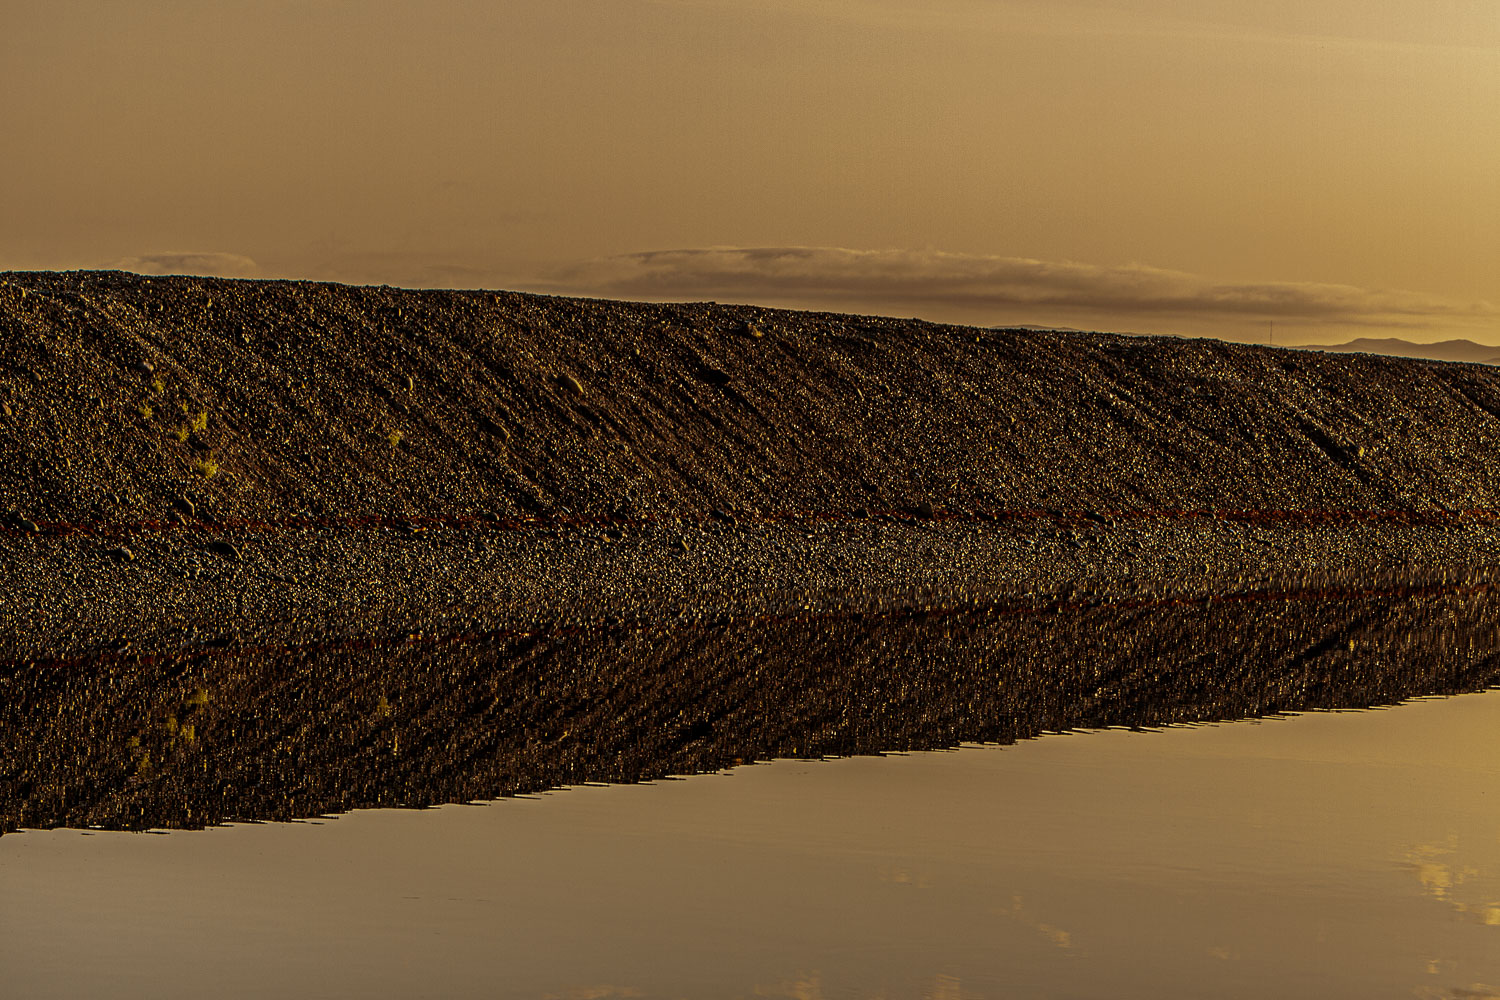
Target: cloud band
x: 925, y: 277
x: 218, y: 265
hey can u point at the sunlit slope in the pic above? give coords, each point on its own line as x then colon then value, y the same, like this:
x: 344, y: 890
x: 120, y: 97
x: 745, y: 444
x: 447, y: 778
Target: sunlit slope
x: 123, y: 395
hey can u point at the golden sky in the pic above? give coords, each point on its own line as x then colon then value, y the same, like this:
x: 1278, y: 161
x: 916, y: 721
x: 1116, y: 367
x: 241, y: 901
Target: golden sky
x: 1189, y: 166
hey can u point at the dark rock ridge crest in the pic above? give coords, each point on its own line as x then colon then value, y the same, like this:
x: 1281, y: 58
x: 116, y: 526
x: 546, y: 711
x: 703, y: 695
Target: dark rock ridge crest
x: 124, y: 397
x: 1443, y: 350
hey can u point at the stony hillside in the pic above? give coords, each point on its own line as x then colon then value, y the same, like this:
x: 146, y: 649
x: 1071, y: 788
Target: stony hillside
x: 123, y: 397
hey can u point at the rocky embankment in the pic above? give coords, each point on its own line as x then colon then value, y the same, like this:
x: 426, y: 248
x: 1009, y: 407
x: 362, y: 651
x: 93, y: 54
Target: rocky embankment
x: 189, y: 461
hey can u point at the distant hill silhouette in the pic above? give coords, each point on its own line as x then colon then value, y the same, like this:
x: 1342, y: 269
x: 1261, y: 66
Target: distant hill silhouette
x: 1446, y: 350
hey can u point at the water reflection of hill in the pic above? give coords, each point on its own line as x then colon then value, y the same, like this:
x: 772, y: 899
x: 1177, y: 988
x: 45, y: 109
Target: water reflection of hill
x: 297, y: 732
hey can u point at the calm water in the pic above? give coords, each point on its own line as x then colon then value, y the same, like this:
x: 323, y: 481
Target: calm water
x: 1351, y: 854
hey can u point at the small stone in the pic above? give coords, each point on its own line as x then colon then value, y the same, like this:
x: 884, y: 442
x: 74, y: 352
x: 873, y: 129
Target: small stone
x: 411, y: 383
x: 225, y: 549
x: 571, y: 383
x: 28, y: 525
x: 754, y: 331
x: 121, y: 554
x: 143, y: 367
x: 925, y: 509
x: 185, y: 505
x: 493, y: 427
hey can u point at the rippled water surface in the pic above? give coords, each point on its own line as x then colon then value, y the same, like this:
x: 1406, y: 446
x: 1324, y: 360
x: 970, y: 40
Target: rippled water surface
x: 1344, y: 854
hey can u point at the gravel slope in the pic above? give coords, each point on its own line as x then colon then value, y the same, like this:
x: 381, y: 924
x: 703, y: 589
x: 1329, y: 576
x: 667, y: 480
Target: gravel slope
x: 328, y: 401
x: 191, y: 460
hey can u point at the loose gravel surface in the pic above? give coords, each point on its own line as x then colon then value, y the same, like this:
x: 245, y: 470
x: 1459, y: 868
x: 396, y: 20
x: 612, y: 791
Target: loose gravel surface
x: 177, y: 591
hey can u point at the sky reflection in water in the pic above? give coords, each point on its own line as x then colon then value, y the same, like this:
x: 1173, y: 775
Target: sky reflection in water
x: 1324, y: 855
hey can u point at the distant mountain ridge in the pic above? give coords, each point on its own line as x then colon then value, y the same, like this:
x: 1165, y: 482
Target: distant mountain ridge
x: 1445, y: 350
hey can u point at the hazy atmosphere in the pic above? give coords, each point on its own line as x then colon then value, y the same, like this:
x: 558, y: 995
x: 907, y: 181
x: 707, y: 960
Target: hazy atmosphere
x: 1187, y: 166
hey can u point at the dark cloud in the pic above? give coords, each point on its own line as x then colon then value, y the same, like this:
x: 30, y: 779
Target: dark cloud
x: 218, y: 265
x: 919, y: 278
